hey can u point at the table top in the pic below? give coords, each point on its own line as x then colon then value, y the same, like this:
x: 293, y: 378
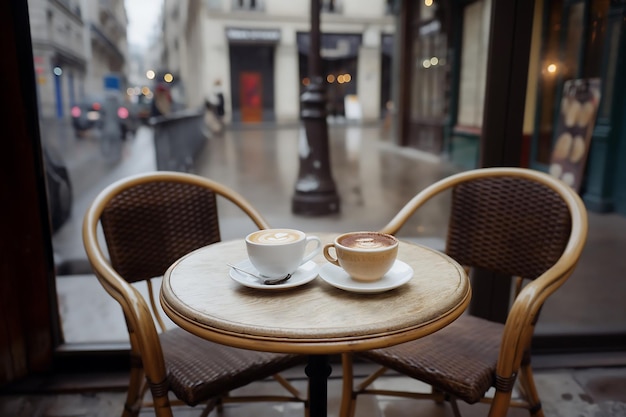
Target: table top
x: 198, y: 294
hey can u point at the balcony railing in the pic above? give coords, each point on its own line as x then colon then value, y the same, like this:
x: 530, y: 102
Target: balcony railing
x: 71, y: 7
x: 106, y: 41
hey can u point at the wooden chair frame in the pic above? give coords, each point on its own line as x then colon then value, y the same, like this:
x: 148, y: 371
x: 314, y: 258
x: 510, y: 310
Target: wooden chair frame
x: 148, y: 369
x: 514, y: 351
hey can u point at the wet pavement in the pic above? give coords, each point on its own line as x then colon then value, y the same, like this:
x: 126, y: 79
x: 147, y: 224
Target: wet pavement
x: 374, y: 178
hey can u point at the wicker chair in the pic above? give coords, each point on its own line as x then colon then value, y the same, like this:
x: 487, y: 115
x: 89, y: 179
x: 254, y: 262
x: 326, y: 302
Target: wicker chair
x: 511, y: 221
x: 149, y: 221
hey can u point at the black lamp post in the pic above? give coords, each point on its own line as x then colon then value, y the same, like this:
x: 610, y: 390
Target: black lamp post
x: 315, y: 192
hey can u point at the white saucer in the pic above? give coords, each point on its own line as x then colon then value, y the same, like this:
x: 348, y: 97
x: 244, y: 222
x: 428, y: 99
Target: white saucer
x: 399, y: 274
x: 306, y: 273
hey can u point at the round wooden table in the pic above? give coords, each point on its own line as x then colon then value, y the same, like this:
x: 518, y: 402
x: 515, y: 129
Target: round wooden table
x: 316, y: 318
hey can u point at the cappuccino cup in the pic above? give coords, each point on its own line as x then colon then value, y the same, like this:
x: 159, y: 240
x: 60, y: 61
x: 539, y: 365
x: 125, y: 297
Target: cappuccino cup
x: 365, y: 256
x: 278, y: 252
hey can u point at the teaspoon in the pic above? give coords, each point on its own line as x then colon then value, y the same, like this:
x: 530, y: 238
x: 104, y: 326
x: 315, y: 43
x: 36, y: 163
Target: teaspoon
x: 272, y: 281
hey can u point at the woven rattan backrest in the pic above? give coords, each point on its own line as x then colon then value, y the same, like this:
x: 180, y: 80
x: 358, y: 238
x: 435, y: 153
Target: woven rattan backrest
x: 150, y: 225
x: 510, y: 225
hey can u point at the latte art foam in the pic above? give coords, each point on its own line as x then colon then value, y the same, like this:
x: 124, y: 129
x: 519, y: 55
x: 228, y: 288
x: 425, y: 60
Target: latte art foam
x: 275, y: 237
x: 367, y: 241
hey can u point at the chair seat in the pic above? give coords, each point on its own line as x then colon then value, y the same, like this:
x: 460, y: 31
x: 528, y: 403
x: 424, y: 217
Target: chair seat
x: 454, y: 360
x: 199, y: 370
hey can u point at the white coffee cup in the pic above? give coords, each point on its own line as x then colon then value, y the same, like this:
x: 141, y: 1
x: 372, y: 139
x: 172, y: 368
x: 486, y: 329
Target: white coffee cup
x: 278, y: 252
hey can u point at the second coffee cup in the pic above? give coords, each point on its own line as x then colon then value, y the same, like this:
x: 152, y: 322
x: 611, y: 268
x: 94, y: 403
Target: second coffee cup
x: 278, y: 252
x: 365, y: 256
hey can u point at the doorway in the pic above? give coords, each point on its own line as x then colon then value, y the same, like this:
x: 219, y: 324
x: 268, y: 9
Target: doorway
x: 252, y: 92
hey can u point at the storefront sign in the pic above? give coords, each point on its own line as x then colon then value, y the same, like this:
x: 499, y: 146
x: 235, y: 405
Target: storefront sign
x: 253, y: 35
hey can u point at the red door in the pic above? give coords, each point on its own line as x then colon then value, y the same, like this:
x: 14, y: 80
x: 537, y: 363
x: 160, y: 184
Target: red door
x: 250, y: 87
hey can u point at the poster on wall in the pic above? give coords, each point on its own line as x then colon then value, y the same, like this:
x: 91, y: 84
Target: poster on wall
x: 577, y: 117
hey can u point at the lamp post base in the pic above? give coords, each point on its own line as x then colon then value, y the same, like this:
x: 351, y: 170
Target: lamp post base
x: 315, y: 204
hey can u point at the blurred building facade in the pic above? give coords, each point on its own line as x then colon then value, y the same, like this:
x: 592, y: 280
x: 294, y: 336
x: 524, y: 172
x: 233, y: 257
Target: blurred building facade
x: 258, y: 50
x: 77, y: 44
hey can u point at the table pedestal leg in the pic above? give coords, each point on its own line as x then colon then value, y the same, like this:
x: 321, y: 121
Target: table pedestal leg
x: 318, y: 370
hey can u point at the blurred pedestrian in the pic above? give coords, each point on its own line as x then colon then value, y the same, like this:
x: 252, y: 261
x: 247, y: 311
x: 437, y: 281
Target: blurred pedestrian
x: 215, y: 108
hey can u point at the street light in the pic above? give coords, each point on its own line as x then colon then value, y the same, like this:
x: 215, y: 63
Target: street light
x: 315, y: 192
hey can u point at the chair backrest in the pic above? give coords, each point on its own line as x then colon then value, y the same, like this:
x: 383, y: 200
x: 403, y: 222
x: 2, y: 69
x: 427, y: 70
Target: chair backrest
x: 517, y: 222
x: 507, y: 224
x: 149, y: 225
x: 149, y: 221
x: 514, y: 221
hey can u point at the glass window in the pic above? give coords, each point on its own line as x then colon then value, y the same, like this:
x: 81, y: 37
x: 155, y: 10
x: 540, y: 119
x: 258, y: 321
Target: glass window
x: 474, y: 50
x: 565, y: 49
x: 105, y: 69
x: 98, y: 85
x: 429, y: 80
x: 430, y: 67
x: 596, y: 38
x: 94, y: 94
x: 550, y: 77
x: 572, y: 47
